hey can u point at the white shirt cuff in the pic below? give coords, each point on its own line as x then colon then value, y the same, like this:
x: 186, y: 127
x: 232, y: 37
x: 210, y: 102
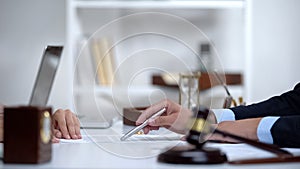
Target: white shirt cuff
x: 224, y: 115
x: 264, y: 129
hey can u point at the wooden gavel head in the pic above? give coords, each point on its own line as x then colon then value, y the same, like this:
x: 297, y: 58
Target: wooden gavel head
x: 196, y: 152
x: 199, y: 127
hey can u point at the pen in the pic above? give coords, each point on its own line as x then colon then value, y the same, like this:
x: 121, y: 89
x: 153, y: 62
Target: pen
x: 140, y: 127
x: 223, y: 83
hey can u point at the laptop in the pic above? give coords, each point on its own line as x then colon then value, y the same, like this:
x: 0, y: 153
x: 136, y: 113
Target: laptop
x: 90, y: 116
x: 44, y: 81
x: 46, y: 74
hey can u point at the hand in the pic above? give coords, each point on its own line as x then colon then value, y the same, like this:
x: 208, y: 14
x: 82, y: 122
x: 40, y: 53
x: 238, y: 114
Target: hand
x: 1, y: 122
x: 175, y: 118
x: 65, y: 125
x: 246, y: 128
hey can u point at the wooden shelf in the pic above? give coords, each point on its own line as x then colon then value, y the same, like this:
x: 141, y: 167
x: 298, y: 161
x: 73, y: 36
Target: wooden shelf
x: 206, y: 80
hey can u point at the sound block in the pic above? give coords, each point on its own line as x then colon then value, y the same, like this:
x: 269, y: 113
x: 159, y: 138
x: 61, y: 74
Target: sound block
x: 27, y: 134
x: 192, y: 155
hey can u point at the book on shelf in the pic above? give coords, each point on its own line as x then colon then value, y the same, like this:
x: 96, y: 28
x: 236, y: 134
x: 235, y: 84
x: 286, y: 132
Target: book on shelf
x: 104, y: 60
x: 84, y: 67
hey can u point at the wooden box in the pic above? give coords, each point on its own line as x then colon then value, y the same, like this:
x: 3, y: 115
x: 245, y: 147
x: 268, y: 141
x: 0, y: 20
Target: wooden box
x: 130, y: 115
x: 27, y: 135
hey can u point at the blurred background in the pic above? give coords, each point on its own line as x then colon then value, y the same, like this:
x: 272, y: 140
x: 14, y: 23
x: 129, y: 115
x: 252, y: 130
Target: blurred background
x: 258, y: 39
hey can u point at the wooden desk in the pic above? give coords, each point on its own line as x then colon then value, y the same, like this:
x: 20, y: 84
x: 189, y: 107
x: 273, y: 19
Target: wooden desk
x: 109, y: 152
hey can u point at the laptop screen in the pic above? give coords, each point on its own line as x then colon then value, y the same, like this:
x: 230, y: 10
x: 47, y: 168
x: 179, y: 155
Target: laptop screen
x: 45, y: 77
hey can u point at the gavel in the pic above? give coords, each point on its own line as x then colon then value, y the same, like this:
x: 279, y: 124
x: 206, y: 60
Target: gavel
x: 197, y: 153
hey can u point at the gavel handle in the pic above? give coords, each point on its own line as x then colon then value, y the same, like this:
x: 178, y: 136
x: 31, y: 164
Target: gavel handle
x: 267, y: 147
x: 266, y: 160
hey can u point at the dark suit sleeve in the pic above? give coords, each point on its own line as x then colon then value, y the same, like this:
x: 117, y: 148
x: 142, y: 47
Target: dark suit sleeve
x: 284, y: 105
x: 286, y: 130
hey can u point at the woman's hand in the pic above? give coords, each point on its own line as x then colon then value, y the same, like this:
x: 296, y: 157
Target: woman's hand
x: 65, y: 125
x: 175, y: 118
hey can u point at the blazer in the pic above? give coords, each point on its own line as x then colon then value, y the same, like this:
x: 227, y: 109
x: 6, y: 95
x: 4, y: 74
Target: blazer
x: 286, y: 130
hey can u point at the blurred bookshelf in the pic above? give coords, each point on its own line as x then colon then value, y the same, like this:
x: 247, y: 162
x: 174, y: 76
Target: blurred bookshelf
x: 85, y: 17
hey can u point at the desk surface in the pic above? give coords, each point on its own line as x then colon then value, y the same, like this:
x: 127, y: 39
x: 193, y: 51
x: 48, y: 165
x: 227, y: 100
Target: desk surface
x: 102, y: 149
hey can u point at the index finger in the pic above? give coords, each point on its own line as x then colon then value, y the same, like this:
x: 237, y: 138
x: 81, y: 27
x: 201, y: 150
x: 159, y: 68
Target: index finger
x: 151, y: 110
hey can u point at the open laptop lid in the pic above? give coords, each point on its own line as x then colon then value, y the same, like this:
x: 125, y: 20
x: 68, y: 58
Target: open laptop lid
x: 45, y: 77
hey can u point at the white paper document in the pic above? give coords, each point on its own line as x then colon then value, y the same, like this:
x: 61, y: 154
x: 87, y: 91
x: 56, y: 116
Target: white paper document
x: 85, y: 139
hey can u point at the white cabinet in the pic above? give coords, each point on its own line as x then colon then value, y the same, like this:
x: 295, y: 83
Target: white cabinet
x: 152, y: 37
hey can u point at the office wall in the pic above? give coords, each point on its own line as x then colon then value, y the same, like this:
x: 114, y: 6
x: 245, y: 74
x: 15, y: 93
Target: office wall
x: 26, y: 27
x: 274, y: 66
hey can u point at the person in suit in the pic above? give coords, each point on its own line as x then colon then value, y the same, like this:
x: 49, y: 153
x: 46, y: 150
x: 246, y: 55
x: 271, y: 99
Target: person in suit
x: 274, y: 121
x: 65, y: 125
